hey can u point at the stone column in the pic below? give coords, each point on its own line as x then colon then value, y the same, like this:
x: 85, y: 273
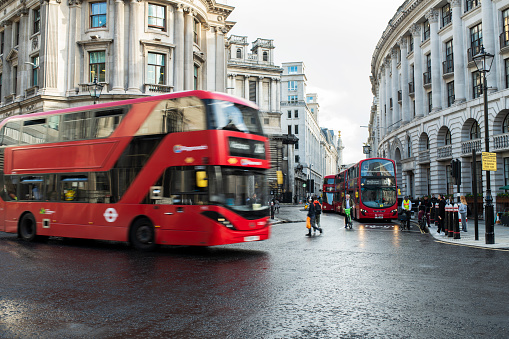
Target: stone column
x: 220, y: 59
x: 489, y: 40
x: 388, y: 95
x: 272, y: 107
x: 48, y: 58
x: 278, y: 95
x: 259, y: 95
x: 395, y: 81
x: 74, y: 5
x: 6, y: 67
x: 231, y: 87
x: 135, y: 65
x: 406, y: 114
x: 418, y: 81
x: 118, y: 49
x: 436, y: 81
x: 23, y: 56
x: 459, y: 52
x: 383, y: 103
x: 188, y: 50
x: 246, y: 87
x: 179, y: 48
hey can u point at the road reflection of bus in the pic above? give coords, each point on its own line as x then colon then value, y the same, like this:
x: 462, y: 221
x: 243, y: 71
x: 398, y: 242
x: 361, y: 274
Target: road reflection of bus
x: 329, y: 193
x: 185, y: 168
x: 371, y: 184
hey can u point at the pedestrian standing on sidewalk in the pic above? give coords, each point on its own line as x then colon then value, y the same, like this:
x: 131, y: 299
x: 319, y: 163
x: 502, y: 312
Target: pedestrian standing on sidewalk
x: 441, y: 213
x: 318, y: 212
x: 463, y: 212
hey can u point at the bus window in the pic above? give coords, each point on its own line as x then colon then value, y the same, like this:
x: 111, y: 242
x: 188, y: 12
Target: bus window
x: 76, y: 126
x: 34, y: 131
x: 74, y: 188
x: 11, y: 187
x: 53, y: 128
x: 105, y: 122
x: 50, y: 182
x: 175, y: 115
x: 31, y: 188
x: 100, y: 188
x: 234, y: 117
x: 11, y: 132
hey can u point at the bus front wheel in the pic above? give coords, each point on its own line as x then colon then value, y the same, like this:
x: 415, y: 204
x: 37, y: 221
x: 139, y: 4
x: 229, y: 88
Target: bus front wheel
x: 28, y: 228
x: 142, y: 235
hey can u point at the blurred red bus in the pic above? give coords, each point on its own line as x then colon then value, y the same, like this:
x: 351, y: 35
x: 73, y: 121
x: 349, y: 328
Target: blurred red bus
x: 329, y: 193
x: 371, y: 183
x: 185, y: 168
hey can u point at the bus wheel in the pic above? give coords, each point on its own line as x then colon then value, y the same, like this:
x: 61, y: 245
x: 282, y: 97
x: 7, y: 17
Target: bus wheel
x: 142, y: 235
x: 27, y: 227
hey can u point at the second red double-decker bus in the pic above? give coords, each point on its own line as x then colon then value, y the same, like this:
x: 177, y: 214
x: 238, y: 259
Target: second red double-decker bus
x: 329, y: 193
x: 179, y: 169
x: 371, y: 183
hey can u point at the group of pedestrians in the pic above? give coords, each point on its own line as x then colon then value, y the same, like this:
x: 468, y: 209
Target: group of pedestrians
x: 314, y: 213
x: 429, y: 206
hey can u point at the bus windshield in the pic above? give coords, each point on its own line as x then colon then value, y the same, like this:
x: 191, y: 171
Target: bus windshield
x: 377, y: 168
x: 378, y: 197
x: 329, y: 181
x: 233, y: 117
x: 244, y: 191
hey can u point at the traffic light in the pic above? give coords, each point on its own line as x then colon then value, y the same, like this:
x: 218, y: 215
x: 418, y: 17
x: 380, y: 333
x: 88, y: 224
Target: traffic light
x: 312, y: 186
x: 308, y: 185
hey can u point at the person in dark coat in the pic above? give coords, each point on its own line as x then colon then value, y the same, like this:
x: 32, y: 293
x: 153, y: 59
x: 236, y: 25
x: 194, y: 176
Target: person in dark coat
x: 441, y: 213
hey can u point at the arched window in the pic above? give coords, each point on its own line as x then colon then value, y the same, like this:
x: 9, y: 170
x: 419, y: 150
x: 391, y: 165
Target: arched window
x: 427, y: 142
x: 505, y: 125
x: 409, y: 146
x: 239, y: 53
x: 475, y: 131
x: 448, y: 138
x: 265, y: 56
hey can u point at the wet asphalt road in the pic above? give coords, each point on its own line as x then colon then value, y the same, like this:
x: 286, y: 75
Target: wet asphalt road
x: 369, y: 282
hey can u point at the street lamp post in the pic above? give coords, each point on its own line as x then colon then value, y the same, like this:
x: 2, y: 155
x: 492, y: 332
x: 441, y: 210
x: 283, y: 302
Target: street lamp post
x: 483, y: 62
x: 95, y: 90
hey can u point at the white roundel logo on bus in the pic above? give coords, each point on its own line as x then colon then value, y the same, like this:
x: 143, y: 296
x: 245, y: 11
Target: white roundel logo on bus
x: 110, y: 215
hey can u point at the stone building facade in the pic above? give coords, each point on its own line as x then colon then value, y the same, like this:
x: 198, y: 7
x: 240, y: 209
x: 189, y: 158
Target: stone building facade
x: 51, y: 51
x: 428, y: 103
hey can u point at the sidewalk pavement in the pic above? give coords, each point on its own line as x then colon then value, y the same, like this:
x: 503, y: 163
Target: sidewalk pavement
x: 468, y: 238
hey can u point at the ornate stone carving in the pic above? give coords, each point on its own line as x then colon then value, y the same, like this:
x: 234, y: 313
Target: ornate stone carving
x: 402, y: 42
x: 35, y: 43
x: 387, y: 63
x: 74, y: 2
x: 432, y: 16
x: 455, y: 3
x: 394, y: 53
x: 415, y: 30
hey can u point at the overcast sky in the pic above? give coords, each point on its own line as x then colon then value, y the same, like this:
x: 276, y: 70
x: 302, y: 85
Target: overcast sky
x: 335, y: 39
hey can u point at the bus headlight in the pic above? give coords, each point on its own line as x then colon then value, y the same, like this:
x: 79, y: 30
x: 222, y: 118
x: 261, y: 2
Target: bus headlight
x: 219, y: 218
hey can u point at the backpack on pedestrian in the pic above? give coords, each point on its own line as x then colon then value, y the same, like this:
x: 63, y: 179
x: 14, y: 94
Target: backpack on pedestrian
x: 317, y: 207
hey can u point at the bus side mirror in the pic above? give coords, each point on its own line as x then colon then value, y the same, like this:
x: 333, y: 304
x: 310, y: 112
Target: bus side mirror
x: 201, y: 179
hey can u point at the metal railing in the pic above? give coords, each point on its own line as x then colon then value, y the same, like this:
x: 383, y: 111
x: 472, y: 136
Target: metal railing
x: 400, y: 96
x: 411, y: 87
x: 444, y: 152
x: 158, y: 88
x: 426, y: 78
x: 504, y: 38
x: 448, y: 66
x: 472, y: 51
x: 468, y: 146
x: 501, y: 141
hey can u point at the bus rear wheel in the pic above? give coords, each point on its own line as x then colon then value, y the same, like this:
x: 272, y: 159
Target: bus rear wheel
x: 28, y: 227
x: 142, y: 235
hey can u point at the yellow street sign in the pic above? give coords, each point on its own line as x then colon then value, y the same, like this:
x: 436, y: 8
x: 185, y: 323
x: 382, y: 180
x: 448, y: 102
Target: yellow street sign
x: 489, y: 161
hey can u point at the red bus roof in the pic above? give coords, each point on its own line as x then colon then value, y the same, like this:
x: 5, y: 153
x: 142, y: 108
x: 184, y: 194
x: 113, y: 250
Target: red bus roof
x: 199, y: 94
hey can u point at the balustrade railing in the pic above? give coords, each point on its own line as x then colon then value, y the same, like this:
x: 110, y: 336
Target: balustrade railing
x: 424, y: 156
x: 158, y: 88
x: 501, y: 141
x: 444, y: 152
x: 468, y: 146
x: 504, y: 38
x: 411, y: 88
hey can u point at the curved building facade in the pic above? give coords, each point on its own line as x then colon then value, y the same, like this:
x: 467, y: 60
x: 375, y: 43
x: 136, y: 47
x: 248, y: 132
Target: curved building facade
x: 428, y: 106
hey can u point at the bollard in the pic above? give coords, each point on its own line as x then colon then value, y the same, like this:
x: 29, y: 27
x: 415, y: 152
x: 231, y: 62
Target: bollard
x: 451, y: 221
x: 456, y: 223
x: 446, y: 220
x: 272, y: 211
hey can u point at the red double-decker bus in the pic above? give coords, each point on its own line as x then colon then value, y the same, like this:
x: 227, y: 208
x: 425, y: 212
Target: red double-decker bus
x: 329, y: 193
x: 184, y: 168
x: 371, y: 183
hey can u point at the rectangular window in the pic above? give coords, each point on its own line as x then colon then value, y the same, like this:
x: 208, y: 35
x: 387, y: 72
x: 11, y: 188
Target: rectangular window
x: 76, y: 126
x: 252, y: 91
x: 97, y: 64
x: 450, y: 93
x: 2, y: 40
x: 289, y: 114
x: 34, y: 132
x: 296, y: 129
x: 266, y: 121
x: 506, y: 63
x: 475, y: 40
x: 449, y: 58
x: 292, y: 69
x: 196, y: 26
x: 196, y: 78
x: 290, y: 129
x: 426, y: 30
x: 292, y: 85
x: 155, y: 69
x: 296, y: 113
x: 470, y: 4
x: 430, y: 102
x: 506, y: 172
x: 157, y: 17
x: 15, y: 80
x: 450, y: 187
x: 297, y: 146
x: 292, y: 99
x: 35, y: 71
x: 476, y: 84
x: 37, y: 20
x: 446, y: 15
x: 98, y: 14
x: 411, y: 44
x: 504, y: 37
x: 297, y: 158
x: 17, y: 26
